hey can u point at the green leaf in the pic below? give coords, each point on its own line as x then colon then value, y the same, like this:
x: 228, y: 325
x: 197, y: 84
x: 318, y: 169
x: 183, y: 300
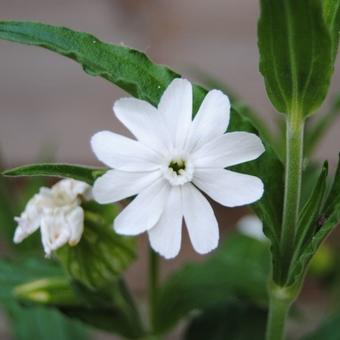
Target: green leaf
x: 234, y: 319
x: 129, y: 69
x: 111, y: 309
x: 199, y: 286
x: 312, y: 209
x: 77, y: 172
x: 101, y: 255
x: 40, y: 284
x: 296, y: 54
x: 331, y: 10
x: 327, y: 220
x: 34, y: 322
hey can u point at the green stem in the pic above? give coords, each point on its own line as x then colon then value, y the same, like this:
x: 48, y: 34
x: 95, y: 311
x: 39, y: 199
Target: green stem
x: 282, y: 297
x: 279, y: 305
x: 293, y: 176
x: 153, y: 289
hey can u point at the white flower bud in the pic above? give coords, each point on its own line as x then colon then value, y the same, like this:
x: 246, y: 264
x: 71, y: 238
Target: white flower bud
x: 57, y: 212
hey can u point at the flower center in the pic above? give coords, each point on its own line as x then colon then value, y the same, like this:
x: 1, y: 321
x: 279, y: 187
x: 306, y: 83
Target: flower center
x: 178, y: 170
x: 178, y: 166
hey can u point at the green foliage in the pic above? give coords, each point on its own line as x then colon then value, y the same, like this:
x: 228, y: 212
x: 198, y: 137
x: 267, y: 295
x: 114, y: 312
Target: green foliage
x: 311, y: 211
x: 321, y: 226
x: 80, y: 173
x: 331, y: 11
x: 34, y: 322
x: 296, y: 53
x: 40, y: 284
x: 234, y: 320
x: 101, y: 255
x: 47, y: 291
x: 111, y: 309
x: 240, y: 267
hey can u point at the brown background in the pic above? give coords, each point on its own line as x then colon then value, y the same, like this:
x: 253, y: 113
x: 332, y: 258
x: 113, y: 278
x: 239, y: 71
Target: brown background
x: 47, y: 102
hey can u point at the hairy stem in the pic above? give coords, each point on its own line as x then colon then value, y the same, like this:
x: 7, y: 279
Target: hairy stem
x: 281, y: 297
x: 293, y: 176
x: 279, y: 305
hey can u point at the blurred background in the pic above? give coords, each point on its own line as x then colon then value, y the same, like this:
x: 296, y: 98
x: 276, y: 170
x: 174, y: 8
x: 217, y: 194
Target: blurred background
x: 47, y: 100
x: 49, y: 108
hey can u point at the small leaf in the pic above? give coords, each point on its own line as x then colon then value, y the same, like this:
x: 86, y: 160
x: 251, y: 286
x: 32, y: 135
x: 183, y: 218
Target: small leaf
x: 328, y: 219
x: 101, y: 255
x: 296, y: 54
x: 199, y: 286
x: 230, y: 320
x: 77, y: 172
x: 308, y: 219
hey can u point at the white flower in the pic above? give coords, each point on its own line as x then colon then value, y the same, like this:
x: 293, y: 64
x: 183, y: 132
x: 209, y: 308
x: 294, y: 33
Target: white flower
x: 57, y: 212
x: 173, y: 159
x: 251, y: 225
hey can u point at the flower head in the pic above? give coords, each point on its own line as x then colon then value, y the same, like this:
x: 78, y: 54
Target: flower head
x: 57, y: 212
x: 172, y: 161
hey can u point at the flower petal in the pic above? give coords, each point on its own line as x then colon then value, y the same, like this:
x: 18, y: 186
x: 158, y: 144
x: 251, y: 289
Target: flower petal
x: 200, y: 220
x: 165, y: 237
x: 54, y: 232
x: 144, y: 122
x: 211, y: 120
x: 116, y: 185
x: 144, y: 211
x: 71, y: 189
x: 123, y: 153
x: 176, y: 108
x: 229, y: 149
x: 30, y: 220
x: 229, y: 188
x: 75, y: 220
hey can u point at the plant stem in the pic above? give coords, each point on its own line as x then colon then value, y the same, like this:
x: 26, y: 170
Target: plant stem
x: 282, y: 297
x: 293, y: 176
x: 279, y: 304
x: 153, y: 288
